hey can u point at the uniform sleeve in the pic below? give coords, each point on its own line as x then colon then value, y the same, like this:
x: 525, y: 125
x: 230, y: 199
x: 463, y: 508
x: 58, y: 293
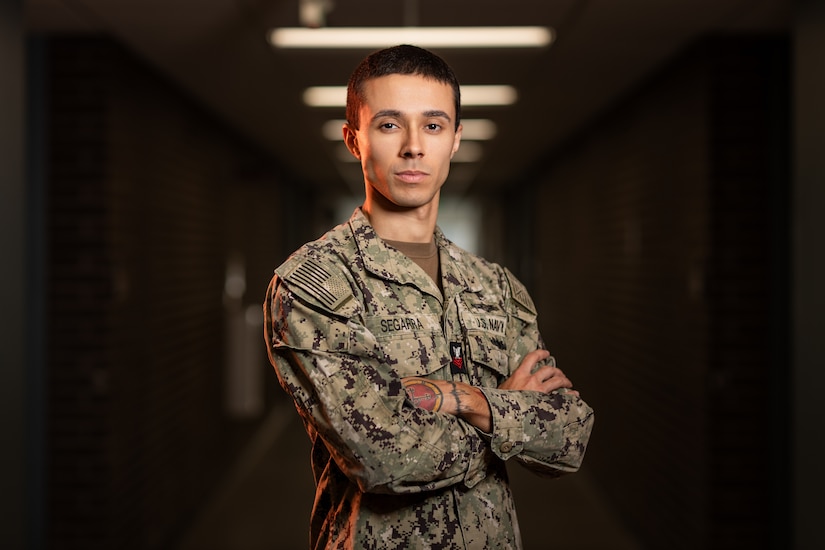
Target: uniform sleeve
x: 338, y: 378
x: 548, y: 433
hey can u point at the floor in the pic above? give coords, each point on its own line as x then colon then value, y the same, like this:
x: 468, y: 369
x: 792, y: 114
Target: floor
x: 266, y: 501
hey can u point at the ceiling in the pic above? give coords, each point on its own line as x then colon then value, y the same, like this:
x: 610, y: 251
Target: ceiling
x: 217, y: 51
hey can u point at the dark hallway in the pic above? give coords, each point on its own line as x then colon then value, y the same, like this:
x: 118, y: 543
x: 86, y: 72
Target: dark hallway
x: 658, y: 190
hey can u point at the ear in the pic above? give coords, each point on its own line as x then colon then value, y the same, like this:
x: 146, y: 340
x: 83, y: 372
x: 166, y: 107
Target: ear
x: 456, y: 140
x: 351, y: 141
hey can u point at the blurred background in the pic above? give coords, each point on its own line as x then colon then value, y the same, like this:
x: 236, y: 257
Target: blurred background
x: 653, y: 172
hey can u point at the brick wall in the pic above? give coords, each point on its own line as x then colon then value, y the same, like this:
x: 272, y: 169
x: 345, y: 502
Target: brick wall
x: 747, y: 292
x: 658, y: 275
x: 143, y: 211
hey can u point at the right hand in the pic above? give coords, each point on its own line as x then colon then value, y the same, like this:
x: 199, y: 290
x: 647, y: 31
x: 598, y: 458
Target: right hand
x: 546, y: 378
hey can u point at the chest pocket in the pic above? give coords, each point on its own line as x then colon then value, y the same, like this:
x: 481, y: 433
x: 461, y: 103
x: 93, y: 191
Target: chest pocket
x: 487, y: 358
x: 413, y: 345
x: 486, y: 335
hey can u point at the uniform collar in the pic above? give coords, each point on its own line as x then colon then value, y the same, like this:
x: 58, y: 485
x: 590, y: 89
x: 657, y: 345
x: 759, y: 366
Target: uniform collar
x: 388, y: 263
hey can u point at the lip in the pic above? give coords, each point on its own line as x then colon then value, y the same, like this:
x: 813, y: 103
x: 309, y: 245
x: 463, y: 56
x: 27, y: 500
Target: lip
x: 411, y: 176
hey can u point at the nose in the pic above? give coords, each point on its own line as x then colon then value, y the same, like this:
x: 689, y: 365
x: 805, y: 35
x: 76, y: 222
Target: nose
x: 413, y: 147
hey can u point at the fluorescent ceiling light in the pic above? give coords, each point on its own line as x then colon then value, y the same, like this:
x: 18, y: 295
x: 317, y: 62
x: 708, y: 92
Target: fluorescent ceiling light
x: 486, y: 95
x: 469, y: 151
x: 326, y: 96
x: 426, y: 37
x: 475, y: 129
x: 336, y: 96
x: 332, y: 129
x: 478, y: 129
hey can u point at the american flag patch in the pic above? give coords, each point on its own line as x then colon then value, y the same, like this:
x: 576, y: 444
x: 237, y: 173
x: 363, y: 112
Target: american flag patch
x: 328, y: 288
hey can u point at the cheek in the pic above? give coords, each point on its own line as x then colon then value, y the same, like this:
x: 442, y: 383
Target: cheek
x: 374, y: 159
x: 372, y: 168
x: 450, y: 152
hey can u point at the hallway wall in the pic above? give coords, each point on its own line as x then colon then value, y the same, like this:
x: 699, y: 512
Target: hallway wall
x: 808, y: 268
x: 14, y: 284
x: 660, y: 275
x: 148, y: 196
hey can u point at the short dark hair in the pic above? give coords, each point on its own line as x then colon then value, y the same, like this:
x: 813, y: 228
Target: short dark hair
x: 403, y: 59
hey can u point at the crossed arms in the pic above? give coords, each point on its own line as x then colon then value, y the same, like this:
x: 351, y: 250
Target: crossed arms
x: 337, y: 374
x: 469, y: 402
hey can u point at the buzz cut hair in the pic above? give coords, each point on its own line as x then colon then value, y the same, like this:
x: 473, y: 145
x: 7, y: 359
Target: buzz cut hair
x: 403, y: 59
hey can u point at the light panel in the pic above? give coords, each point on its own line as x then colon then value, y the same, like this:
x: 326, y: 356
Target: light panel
x: 478, y: 129
x: 469, y: 151
x: 325, y: 96
x: 471, y: 95
x: 488, y: 95
x: 426, y: 37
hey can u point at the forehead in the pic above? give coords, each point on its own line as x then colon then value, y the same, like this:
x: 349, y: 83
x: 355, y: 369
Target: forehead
x: 408, y: 94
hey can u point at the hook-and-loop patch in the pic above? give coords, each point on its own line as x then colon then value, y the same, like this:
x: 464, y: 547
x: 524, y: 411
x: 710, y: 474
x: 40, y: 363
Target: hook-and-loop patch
x: 330, y: 289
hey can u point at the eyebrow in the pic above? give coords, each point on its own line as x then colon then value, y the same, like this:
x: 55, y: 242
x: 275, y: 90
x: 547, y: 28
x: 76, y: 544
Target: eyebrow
x: 398, y: 114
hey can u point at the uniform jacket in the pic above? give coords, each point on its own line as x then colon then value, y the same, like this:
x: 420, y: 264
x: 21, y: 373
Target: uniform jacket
x: 346, y: 317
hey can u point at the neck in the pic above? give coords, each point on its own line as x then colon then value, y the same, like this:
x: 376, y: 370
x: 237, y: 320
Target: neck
x: 412, y: 225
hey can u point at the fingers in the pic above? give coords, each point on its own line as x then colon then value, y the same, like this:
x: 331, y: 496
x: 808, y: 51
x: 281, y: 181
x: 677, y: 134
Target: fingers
x: 531, y: 361
x: 538, y: 372
x: 537, y: 356
x: 552, y: 378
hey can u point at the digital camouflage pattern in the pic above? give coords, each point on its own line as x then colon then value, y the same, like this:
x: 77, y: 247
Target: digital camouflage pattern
x: 346, y: 317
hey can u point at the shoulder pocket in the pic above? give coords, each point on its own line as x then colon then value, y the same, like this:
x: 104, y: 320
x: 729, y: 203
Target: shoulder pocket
x: 321, y: 284
x: 520, y: 303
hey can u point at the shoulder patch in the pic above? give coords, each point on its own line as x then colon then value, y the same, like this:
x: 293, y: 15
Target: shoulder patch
x: 314, y: 278
x: 519, y: 292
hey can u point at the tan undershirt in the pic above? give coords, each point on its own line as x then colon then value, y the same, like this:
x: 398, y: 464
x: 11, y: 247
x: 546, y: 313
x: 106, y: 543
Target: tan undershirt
x: 423, y: 254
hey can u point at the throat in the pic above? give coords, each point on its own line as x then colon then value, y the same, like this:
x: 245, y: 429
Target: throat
x: 425, y: 255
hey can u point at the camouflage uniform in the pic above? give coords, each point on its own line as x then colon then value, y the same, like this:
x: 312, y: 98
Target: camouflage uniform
x: 348, y: 316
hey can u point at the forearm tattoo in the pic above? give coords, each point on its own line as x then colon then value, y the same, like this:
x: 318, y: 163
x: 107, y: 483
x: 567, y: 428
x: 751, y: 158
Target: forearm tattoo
x: 460, y: 408
x: 424, y: 394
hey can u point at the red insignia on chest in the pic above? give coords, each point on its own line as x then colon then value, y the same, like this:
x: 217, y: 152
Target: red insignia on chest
x: 456, y: 358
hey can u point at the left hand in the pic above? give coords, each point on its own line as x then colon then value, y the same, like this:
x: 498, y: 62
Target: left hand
x: 544, y: 378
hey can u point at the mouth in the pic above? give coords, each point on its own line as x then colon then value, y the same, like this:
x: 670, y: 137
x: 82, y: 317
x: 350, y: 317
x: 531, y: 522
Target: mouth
x: 411, y: 176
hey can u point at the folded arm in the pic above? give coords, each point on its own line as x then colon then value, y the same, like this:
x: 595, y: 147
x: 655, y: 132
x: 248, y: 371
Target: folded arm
x: 535, y: 416
x: 470, y: 403
x: 332, y: 367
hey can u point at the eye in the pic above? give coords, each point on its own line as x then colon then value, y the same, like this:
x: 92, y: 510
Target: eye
x: 433, y: 127
x: 388, y: 126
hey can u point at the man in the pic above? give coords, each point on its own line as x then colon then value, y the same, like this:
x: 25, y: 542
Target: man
x: 417, y: 368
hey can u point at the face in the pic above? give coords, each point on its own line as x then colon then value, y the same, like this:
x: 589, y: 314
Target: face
x: 406, y: 139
